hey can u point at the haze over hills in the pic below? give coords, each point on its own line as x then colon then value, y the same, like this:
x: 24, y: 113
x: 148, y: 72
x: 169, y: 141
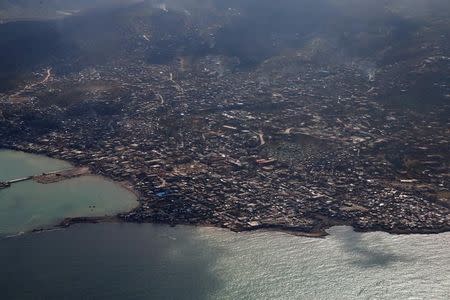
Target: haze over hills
x: 13, y: 10
x: 330, y: 32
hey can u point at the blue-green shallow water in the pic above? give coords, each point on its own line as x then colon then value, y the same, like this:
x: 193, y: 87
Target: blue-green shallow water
x: 16, y: 164
x: 29, y: 205
x: 130, y: 261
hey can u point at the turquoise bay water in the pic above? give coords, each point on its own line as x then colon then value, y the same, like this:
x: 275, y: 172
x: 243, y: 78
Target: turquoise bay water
x: 131, y: 261
x: 29, y: 205
x: 16, y: 164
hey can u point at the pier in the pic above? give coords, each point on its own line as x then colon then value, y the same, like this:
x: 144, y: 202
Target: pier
x: 7, y: 184
x: 48, y: 177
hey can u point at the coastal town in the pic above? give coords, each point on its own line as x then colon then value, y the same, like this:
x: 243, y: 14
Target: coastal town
x: 211, y: 149
x: 298, y: 148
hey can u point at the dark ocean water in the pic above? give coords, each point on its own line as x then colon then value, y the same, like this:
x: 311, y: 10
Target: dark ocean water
x: 131, y: 261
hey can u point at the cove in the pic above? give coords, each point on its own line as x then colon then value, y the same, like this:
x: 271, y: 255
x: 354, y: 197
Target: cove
x: 29, y: 205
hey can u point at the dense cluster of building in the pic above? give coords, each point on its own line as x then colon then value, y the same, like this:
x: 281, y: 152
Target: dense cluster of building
x: 298, y: 148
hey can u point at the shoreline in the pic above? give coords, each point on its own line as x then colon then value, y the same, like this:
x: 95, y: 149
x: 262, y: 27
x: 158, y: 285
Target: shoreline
x: 319, y: 230
x: 321, y: 233
x: 293, y: 231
